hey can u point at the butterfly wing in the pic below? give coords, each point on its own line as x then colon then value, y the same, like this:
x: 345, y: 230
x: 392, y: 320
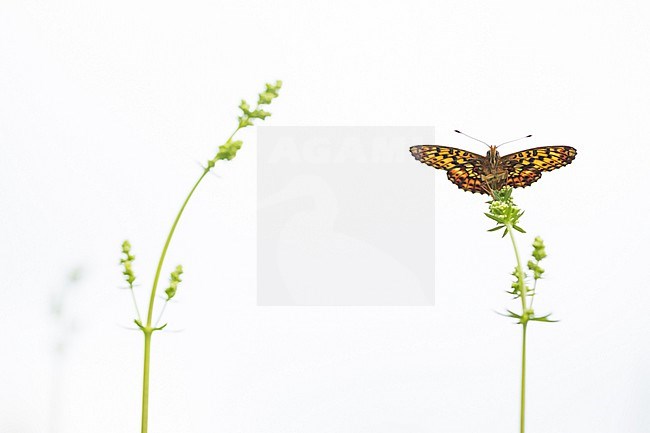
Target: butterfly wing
x: 526, y: 166
x: 467, y: 179
x: 463, y: 168
x: 523, y: 178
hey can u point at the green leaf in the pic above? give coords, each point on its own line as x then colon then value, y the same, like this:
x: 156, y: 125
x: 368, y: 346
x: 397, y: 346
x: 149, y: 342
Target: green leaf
x: 496, y: 228
x: 543, y: 319
x: 519, y: 229
x: 160, y: 328
x: 495, y: 218
x: 512, y: 314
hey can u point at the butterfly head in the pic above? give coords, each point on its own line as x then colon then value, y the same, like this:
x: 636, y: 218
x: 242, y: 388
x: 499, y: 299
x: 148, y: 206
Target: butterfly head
x: 493, y: 155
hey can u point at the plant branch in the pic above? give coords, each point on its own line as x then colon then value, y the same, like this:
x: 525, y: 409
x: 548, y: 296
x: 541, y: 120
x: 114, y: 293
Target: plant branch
x: 520, y: 273
x: 152, y: 297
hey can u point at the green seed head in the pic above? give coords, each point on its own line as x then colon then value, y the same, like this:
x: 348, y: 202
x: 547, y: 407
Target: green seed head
x: 539, y: 250
x: 127, y: 263
x: 174, y: 280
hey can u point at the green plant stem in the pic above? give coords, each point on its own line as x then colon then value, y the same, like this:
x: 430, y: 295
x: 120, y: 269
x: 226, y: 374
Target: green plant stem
x: 520, y: 271
x: 532, y: 298
x: 135, y: 303
x: 524, y: 323
x: 162, y: 311
x: 522, y: 413
x: 145, y: 381
x: 152, y: 298
x: 147, y: 328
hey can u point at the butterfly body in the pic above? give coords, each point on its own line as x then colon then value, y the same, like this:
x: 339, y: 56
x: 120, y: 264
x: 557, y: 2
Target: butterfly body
x: 483, y: 174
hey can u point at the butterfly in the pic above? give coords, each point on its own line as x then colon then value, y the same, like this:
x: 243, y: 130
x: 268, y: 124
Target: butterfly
x: 483, y: 174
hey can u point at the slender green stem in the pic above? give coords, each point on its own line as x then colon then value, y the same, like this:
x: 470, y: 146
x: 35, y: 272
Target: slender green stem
x: 532, y: 298
x: 524, y: 323
x: 152, y: 298
x: 520, y: 271
x: 522, y: 413
x: 145, y: 380
x: 147, y: 328
x: 162, y: 311
x: 135, y: 304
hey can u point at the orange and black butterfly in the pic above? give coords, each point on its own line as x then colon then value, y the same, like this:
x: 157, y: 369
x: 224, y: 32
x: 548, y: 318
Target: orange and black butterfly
x: 483, y: 174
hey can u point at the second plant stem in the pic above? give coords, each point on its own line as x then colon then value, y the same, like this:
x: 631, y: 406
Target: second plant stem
x: 524, y: 322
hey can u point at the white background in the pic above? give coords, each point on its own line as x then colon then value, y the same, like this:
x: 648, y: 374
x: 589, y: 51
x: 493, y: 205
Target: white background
x: 107, y: 109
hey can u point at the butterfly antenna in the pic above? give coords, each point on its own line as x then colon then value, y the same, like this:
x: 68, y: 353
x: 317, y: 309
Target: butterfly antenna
x: 516, y: 139
x: 462, y: 133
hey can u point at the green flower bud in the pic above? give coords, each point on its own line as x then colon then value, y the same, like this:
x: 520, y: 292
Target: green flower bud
x: 245, y: 108
x: 498, y: 207
x: 245, y: 121
x: 270, y: 94
x: 539, y: 250
x: 228, y: 150
x: 537, y: 270
x: 174, y: 280
x: 127, y: 263
x: 259, y: 114
x: 504, y: 211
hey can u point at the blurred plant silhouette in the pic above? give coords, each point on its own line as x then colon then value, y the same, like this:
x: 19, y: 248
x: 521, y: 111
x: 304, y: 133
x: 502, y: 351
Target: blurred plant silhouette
x: 64, y: 327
